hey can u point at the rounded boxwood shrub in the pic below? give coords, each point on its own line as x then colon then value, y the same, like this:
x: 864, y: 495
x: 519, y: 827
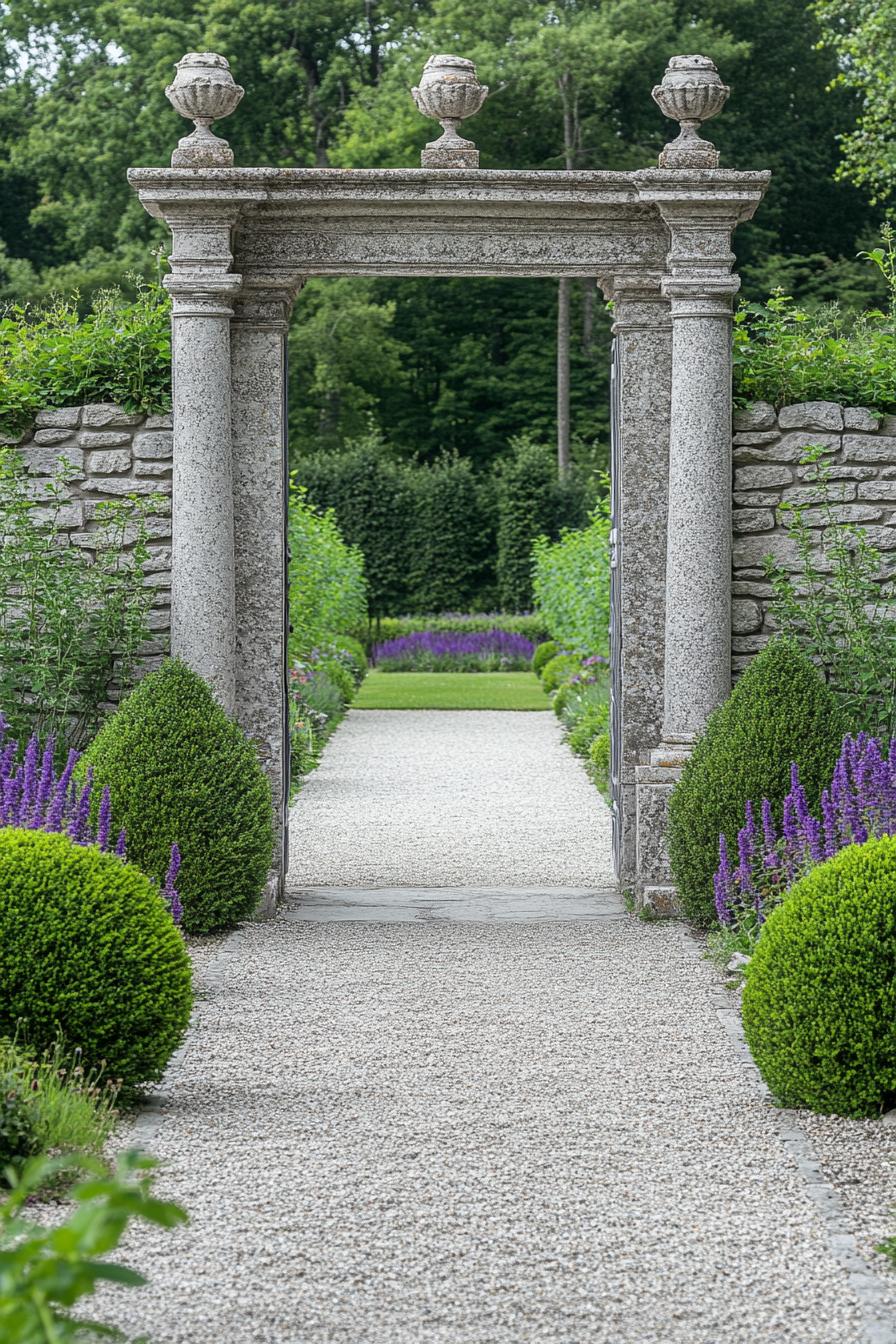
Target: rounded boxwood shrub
x: 88, y: 950
x: 820, y: 999
x: 543, y: 654
x: 181, y: 771
x: 559, y: 669
x: 780, y: 711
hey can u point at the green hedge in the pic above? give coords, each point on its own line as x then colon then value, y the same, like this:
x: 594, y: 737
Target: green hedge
x: 779, y: 711
x: 88, y: 949
x: 820, y: 999
x: 571, y: 583
x: 181, y: 771
x: 327, y: 588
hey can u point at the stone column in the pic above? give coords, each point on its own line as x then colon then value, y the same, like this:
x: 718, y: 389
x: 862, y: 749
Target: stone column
x: 203, y: 628
x: 258, y: 339
x: 698, y: 553
x: 640, y: 469
x: 701, y: 210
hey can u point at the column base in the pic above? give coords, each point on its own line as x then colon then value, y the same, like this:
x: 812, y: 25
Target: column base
x: 271, y: 896
x: 654, y: 887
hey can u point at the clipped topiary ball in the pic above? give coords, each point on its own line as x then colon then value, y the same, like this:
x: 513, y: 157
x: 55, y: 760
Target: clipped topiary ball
x: 181, y: 771
x: 820, y: 999
x: 780, y: 711
x: 89, y: 950
x: 543, y: 654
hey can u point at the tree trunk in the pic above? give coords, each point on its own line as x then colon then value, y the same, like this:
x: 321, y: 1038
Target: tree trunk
x: 563, y: 295
x: 589, y: 291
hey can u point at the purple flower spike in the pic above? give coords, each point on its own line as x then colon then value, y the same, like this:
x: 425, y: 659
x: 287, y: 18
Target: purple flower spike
x: 121, y: 846
x: 829, y: 820
x: 44, y: 785
x: 722, y: 884
x: 78, y: 829
x: 104, y: 820
x: 769, y: 836
x: 29, y: 782
x: 169, y: 891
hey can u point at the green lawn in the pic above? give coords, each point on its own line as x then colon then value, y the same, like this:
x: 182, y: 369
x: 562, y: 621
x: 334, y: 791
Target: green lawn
x: 450, y: 690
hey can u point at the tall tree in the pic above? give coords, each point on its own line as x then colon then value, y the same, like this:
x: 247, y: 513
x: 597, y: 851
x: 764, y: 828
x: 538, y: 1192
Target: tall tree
x: 862, y: 34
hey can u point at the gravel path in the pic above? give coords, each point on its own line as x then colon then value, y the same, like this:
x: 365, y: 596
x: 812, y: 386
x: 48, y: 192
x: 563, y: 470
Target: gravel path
x: 480, y: 1122
x: 469, y: 1133
x: 454, y: 798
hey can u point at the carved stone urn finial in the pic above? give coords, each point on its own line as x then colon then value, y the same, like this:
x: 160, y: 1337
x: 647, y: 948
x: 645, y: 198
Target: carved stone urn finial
x: 203, y: 91
x: 691, y: 93
x: 449, y: 91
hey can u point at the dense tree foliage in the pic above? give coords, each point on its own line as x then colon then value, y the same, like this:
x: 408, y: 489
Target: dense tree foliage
x: 449, y: 365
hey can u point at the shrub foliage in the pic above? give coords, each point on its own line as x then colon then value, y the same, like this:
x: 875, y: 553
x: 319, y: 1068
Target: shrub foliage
x: 180, y: 771
x: 820, y: 1000
x: 88, y: 950
x: 571, y: 582
x: 780, y: 711
x: 327, y: 589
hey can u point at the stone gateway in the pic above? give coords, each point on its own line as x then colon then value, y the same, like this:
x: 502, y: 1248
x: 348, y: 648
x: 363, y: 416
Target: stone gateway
x: 658, y: 240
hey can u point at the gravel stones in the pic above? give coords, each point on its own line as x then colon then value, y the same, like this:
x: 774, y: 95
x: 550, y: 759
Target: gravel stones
x: 474, y: 1134
x: 449, y: 798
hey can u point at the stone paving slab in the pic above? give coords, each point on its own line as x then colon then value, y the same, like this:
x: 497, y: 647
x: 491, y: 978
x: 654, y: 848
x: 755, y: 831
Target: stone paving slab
x: 393, y: 905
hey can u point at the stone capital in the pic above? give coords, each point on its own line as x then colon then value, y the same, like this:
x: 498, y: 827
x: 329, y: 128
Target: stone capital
x: 267, y: 309
x: 638, y: 299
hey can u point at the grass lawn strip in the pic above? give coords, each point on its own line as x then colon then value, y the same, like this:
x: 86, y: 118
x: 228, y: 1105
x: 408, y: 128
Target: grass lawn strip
x: 451, y: 690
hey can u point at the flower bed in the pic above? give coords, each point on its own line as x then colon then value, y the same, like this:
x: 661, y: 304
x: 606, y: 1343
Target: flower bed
x: 492, y: 650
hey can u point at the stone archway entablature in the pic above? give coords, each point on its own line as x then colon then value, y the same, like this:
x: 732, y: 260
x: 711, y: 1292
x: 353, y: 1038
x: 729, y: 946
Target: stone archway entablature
x: 658, y: 240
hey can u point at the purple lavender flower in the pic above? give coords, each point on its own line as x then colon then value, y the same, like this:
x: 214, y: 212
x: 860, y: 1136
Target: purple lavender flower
x: 860, y: 802
x: 723, y: 884
x: 169, y: 891
x: 440, y: 650
x: 104, y: 821
x: 32, y: 795
x: 770, y: 857
x: 78, y: 829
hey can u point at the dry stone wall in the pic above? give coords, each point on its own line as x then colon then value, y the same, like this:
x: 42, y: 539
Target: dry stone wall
x: 859, y: 453
x: 113, y: 454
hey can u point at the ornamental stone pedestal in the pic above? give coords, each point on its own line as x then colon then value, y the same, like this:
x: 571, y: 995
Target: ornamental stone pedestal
x: 658, y: 240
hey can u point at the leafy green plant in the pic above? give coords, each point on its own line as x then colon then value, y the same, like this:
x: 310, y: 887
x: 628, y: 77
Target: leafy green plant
x: 69, y: 628
x: 88, y: 951
x: 838, y: 607
x: 51, y: 356
x: 592, y: 723
x: 181, y: 771
x: 820, y: 999
x: 58, y: 1105
x: 784, y: 353
x: 558, y: 669
x: 46, y: 1271
x: 327, y: 588
x: 780, y: 711
x: 599, y: 762
x: 571, y: 582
